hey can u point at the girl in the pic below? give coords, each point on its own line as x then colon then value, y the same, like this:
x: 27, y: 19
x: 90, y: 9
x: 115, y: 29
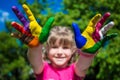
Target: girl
x: 60, y: 46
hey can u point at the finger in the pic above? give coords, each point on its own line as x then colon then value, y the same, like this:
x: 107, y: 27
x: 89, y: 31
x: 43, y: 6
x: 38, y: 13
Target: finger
x: 29, y: 13
x: 21, y: 17
x: 45, y: 30
x: 76, y: 29
x: 102, y: 20
x: 95, y: 19
x: 91, y: 26
x: 19, y: 28
x: 16, y: 35
x: 48, y: 24
x: 99, y: 44
x: 26, y: 39
x: 104, y: 30
x: 96, y: 35
x: 108, y: 37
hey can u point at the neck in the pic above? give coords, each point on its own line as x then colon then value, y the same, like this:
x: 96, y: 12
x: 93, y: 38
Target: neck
x: 59, y: 66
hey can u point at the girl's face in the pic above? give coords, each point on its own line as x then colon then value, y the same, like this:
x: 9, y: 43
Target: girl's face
x: 60, y: 55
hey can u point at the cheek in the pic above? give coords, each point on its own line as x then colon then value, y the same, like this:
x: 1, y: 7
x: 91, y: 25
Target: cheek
x: 68, y: 52
x: 52, y: 52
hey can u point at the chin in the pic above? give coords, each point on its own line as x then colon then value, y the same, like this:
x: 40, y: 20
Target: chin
x: 60, y: 65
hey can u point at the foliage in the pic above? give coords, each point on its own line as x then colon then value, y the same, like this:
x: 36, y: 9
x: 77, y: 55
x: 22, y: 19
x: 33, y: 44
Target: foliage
x: 13, y: 61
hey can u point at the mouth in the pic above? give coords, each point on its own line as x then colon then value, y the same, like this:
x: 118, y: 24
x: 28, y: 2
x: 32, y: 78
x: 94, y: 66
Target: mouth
x: 59, y: 58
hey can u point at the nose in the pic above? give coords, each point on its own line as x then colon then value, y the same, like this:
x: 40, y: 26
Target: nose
x: 60, y: 52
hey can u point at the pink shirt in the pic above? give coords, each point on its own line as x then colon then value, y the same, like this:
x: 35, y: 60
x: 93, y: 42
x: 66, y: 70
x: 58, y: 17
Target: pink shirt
x: 50, y: 73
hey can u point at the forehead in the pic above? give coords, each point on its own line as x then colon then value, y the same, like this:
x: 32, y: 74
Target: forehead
x: 60, y: 41
x: 63, y: 42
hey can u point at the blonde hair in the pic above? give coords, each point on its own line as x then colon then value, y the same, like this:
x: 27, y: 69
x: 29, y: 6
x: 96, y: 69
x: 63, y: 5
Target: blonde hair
x: 64, y: 34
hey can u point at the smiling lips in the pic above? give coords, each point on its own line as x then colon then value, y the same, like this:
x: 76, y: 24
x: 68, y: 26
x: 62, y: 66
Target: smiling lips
x: 59, y: 58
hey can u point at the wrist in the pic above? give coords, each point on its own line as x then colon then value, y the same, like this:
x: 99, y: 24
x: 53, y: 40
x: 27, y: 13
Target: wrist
x: 86, y: 54
x: 38, y: 46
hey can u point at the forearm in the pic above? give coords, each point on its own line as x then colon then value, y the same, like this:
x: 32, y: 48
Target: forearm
x: 35, y: 58
x: 83, y: 63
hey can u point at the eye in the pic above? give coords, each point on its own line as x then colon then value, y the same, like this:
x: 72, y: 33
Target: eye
x: 54, y: 46
x: 66, y: 47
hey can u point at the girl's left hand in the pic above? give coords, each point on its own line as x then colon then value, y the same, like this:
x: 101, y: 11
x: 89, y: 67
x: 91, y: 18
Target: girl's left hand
x: 93, y: 37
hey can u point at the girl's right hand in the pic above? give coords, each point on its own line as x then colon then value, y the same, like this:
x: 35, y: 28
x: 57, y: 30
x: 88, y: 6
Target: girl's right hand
x: 31, y: 32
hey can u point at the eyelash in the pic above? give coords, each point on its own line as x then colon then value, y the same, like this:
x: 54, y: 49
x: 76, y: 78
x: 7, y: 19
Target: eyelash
x: 65, y: 47
x: 54, y: 47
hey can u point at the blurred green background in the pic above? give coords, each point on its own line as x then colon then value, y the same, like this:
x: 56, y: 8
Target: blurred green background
x: 106, y: 65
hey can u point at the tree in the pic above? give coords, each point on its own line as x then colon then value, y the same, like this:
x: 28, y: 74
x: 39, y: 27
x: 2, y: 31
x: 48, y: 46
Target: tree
x: 13, y: 61
x: 106, y: 63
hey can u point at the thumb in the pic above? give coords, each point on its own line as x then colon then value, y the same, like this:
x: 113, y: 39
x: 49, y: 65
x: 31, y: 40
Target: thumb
x: 79, y: 39
x: 45, y: 30
x: 76, y: 29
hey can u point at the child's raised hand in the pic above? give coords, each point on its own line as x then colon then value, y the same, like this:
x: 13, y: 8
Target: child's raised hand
x: 86, y: 34
x: 99, y: 35
x: 32, y: 26
x: 94, y: 34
